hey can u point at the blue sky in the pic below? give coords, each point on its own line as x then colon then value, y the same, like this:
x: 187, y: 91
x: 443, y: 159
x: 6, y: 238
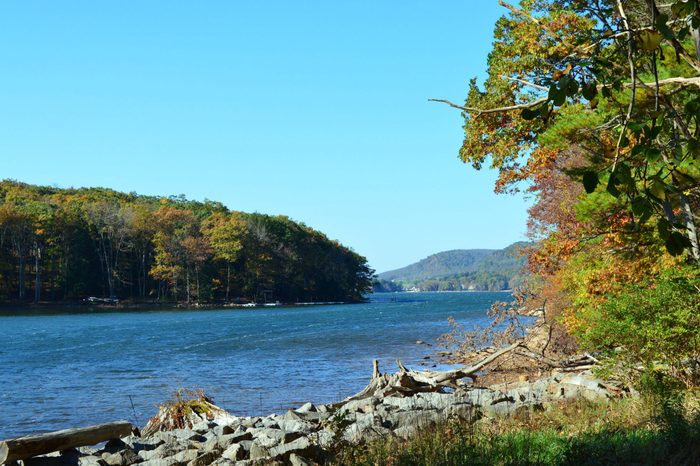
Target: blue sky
x: 317, y: 110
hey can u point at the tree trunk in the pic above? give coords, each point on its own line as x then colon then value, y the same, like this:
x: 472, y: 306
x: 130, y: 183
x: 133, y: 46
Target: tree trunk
x: 196, y: 276
x: 690, y: 227
x: 37, y: 274
x: 228, y: 280
x: 142, y: 290
x: 695, y: 33
x: 187, y: 282
x: 21, y: 277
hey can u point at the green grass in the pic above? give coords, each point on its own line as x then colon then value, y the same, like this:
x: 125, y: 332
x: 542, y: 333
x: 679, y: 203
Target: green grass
x: 629, y: 431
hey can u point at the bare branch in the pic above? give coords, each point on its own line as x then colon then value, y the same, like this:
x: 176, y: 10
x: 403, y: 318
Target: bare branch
x: 527, y: 83
x: 681, y: 82
x: 633, y: 73
x: 480, y: 111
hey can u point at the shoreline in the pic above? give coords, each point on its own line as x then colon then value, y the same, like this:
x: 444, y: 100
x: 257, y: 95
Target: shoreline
x: 78, y: 305
x: 192, y: 430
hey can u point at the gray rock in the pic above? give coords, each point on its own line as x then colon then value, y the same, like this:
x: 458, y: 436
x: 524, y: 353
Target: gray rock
x: 246, y: 444
x: 250, y: 421
x: 234, y: 453
x: 220, y: 431
x: 296, y: 460
x: 357, y: 432
x: 185, y: 456
x: 270, y: 437
x: 204, y: 459
x: 121, y: 458
x: 324, y: 438
x: 314, y: 416
x: 258, y: 452
x: 301, y: 446
x: 114, y: 445
x: 161, y: 462
x: 223, y: 462
x: 365, y: 405
x: 91, y: 461
x: 291, y: 416
x: 146, y: 444
x: 294, y: 426
x: 306, y: 408
x: 227, y: 440
x: 203, y: 427
x: 165, y: 449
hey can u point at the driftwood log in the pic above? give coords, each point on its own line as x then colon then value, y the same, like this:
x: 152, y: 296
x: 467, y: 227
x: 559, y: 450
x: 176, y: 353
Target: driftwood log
x: 408, y: 381
x: 26, y: 447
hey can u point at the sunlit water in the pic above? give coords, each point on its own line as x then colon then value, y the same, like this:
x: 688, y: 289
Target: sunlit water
x: 70, y: 369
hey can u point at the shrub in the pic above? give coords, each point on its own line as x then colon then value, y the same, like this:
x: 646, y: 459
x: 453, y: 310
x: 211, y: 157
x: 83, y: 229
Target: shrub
x: 655, y: 324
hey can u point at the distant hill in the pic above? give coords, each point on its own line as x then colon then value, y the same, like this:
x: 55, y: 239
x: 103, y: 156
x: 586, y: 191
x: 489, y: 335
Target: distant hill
x: 459, y: 269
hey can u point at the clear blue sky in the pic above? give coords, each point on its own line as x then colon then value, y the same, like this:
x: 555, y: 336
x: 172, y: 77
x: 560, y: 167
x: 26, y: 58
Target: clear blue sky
x: 316, y: 110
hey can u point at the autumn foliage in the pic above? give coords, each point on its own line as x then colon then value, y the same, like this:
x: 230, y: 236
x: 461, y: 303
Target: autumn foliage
x: 68, y: 244
x: 592, y: 109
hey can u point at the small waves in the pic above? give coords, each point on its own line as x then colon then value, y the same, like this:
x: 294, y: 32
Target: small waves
x: 67, y: 370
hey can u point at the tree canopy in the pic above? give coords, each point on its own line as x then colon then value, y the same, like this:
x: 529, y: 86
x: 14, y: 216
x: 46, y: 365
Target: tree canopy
x: 592, y: 108
x: 76, y: 243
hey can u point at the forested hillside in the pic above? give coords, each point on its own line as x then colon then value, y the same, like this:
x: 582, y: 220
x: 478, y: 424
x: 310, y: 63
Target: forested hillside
x: 460, y: 269
x: 67, y: 244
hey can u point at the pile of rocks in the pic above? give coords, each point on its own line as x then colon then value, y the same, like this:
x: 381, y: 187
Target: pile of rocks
x: 308, y: 435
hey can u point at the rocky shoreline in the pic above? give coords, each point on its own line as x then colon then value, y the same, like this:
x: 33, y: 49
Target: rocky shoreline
x: 393, y: 405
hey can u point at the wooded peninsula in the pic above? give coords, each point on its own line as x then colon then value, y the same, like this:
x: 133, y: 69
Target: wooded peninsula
x: 69, y: 244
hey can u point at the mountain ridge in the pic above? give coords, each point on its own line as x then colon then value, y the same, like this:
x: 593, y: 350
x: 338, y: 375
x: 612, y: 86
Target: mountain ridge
x: 456, y: 269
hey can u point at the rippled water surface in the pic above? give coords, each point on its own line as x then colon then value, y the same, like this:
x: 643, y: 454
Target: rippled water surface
x: 69, y: 369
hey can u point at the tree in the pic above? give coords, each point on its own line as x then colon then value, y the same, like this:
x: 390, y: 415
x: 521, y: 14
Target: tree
x: 594, y: 107
x: 18, y: 225
x: 624, y: 77
x: 111, y: 226
x: 225, y: 233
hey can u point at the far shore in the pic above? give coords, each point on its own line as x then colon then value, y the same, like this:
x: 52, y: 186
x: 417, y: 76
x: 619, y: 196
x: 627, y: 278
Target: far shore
x: 152, y: 306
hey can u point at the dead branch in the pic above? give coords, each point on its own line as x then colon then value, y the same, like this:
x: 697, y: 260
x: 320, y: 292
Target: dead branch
x: 480, y: 111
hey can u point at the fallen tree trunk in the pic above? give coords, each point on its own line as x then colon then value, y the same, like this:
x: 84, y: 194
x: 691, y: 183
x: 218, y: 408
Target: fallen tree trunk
x: 408, y: 381
x: 34, y: 445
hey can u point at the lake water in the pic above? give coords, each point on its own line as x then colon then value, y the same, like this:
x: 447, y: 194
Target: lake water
x: 70, y: 369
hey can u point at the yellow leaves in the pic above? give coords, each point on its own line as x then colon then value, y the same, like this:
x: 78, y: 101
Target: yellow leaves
x: 558, y: 74
x: 657, y: 189
x: 649, y: 39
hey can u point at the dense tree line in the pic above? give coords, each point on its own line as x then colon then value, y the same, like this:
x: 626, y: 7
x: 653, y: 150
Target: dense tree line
x: 594, y: 108
x: 67, y: 244
x: 468, y: 281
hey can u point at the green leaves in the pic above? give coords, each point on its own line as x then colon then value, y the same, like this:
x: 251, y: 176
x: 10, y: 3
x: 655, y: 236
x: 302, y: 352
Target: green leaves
x: 530, y: 113
x: 589, y: 90
x: 590, y: 181
x: 649, y: 39
x: 676, y: 243
x: 612, y: 185
x: 683, y: 8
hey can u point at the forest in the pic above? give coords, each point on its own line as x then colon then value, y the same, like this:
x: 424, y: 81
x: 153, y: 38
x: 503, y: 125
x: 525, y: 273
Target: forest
x: 460, y: 270
x: 70, y: 244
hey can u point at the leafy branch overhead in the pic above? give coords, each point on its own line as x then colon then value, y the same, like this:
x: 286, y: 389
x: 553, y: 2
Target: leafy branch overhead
x: 610, y: 90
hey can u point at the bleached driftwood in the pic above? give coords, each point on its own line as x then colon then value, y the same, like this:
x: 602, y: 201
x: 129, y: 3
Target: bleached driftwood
x: 34, y: 445
x: 408, y: 381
